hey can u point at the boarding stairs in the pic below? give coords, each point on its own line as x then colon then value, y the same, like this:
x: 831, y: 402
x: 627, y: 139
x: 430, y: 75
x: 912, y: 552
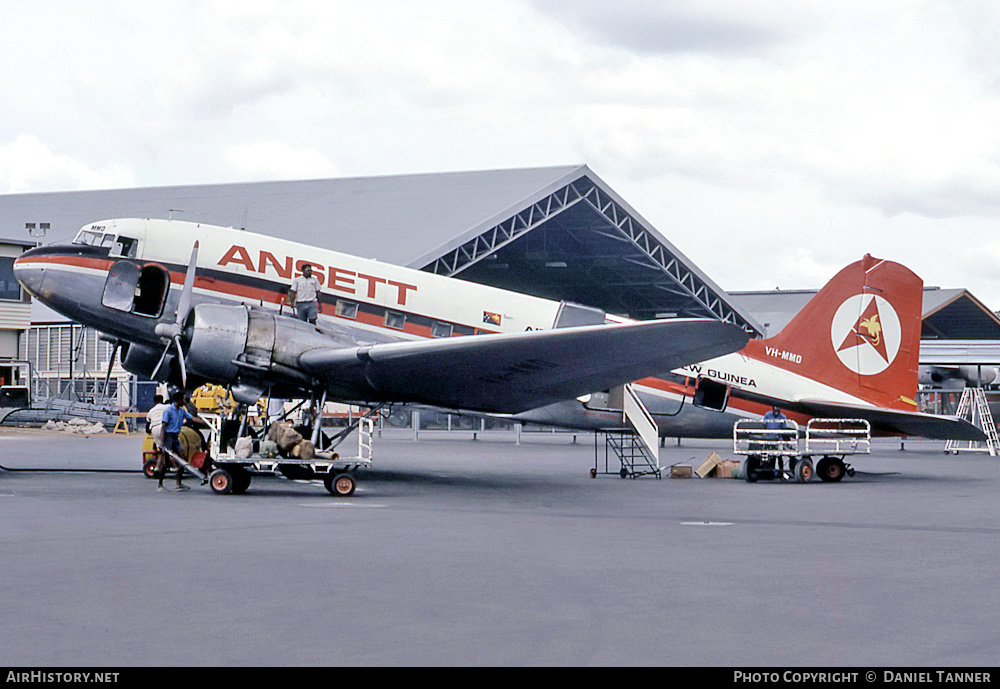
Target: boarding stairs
x: 637, y: 449
x: 974, y: 408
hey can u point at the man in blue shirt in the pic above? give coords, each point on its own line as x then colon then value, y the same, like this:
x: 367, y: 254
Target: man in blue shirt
x: 777, y: 419
x: 174, y: 417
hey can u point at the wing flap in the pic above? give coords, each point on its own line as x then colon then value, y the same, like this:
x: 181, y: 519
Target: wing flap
x: 514, y: 372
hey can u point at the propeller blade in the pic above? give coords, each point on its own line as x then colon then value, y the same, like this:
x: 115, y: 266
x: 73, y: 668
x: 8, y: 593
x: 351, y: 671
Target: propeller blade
x: 156, y: 369
x: 180, y: 357
x: 184, y: 306
x: 111, y: 365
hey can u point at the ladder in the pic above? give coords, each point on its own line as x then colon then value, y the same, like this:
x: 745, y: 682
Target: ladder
x: 973, y: 406
x: 638, y: 449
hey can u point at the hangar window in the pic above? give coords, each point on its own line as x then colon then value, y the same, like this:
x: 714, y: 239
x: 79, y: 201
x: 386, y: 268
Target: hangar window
x: 347, y: 309
x: 441, y: 329
x: 395, y: 320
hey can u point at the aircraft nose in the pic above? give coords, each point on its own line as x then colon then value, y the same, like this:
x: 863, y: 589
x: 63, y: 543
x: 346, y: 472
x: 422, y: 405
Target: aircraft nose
x: 31, y: 275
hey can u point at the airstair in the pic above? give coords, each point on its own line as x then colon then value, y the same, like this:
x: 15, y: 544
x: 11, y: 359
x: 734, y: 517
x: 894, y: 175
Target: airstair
x: 974, y: 408
x: 637, y: 449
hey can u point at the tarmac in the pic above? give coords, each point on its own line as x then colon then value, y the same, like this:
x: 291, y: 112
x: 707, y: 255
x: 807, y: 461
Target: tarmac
x: 459, y: 552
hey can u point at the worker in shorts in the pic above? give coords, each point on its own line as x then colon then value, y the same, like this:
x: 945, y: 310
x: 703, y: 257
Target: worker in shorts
x: 304, y: 294
x: 174, y: 417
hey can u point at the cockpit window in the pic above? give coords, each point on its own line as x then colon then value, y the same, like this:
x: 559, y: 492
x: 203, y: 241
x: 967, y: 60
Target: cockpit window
x: 123, y: 247
x: 89, y: 237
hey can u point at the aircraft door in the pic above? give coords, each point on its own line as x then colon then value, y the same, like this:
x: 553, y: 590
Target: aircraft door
x: 132, y: 290
x: 711, y: 394
x: 119, y: 290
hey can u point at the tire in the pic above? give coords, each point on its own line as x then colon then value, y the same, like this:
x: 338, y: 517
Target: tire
x: 804, y: 470
x: 593, y: 473
x: 241, y: 481
x: 149, y: 468
x: 831, y: 469
x: 751, y: 467
x: 221, y: 482
x: 341, y: 485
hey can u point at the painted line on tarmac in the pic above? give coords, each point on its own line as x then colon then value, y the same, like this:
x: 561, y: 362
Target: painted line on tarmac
x: 707, y: 524
x: 338, y: 504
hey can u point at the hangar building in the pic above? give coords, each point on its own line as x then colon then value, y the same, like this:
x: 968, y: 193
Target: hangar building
x: 557, y: 232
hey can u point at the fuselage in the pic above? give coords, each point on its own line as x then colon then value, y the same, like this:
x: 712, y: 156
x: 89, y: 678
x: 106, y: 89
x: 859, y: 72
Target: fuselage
x: 124, y: 277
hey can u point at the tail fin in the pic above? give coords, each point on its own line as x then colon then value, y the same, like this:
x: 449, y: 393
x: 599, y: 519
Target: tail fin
x: 859, y: 334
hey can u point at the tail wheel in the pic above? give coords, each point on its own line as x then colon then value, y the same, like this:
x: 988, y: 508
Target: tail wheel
x: 221, y: 482
x: 831, y: 469
x: 341, y: 485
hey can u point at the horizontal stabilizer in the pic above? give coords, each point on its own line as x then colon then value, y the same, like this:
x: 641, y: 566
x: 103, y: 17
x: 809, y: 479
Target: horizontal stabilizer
x: 514, y: 372
x: 883, y: 421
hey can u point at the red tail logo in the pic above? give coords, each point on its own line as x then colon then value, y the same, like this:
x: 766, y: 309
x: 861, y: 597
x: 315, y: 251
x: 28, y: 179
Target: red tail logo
x: 870, y: 342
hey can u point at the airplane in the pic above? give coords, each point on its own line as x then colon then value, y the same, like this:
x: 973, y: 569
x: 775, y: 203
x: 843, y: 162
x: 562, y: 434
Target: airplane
x: 193, y: 303
x: 851, y: 352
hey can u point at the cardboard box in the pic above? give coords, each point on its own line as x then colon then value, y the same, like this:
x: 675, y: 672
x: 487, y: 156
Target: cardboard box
x: 680, y: 471
x: 710, y: 463
x: 724, y: 469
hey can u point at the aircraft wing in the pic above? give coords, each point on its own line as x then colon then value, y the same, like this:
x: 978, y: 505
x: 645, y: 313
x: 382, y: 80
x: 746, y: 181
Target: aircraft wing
x: 514, y: 372
x: 884, y: 421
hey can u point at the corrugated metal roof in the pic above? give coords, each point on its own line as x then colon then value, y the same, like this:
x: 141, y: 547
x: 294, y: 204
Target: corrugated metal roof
x: 953, y: 314
x: 415, y: 220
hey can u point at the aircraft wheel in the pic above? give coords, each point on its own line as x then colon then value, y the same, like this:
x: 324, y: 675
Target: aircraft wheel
x: 804, y: 470
x: 831, y: 469
x: 221, y: 482
x: 341, y: 485
x: 149, y: 468
x: 751, y: 467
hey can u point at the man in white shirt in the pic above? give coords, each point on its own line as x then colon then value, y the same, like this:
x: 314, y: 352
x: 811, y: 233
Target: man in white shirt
x: 304, y: 294
x: 154, y: 417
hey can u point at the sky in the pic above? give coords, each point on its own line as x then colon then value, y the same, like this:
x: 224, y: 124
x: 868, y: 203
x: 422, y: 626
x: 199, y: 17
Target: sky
x: 772, y: 142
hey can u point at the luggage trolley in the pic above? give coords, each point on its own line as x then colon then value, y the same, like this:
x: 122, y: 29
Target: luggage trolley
x: 233, y: 473
x: 830, y: 439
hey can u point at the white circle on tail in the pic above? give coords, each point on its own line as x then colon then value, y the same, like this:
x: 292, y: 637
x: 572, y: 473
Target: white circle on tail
x: 866, y: 334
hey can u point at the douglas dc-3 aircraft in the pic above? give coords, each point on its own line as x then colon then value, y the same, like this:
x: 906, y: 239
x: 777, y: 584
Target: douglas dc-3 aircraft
x: 194, y: 303
x: 852, y: 352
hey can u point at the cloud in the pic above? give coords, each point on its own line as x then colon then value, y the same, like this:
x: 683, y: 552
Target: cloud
x: 273, y: 160
x: 726, y: 27
x: 28, y: 165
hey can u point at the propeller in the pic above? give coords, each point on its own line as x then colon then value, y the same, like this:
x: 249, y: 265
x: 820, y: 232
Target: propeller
x: 170, y: 333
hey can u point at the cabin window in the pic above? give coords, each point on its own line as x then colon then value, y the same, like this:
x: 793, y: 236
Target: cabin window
x: 395, y: 320
x: 441, y: 329
x: 347, y: 309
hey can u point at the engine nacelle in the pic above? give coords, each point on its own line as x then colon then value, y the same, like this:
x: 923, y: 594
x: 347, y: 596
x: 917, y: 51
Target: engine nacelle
x: 958, y: 376
x: 248, y: 348
x: 141, y: 359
